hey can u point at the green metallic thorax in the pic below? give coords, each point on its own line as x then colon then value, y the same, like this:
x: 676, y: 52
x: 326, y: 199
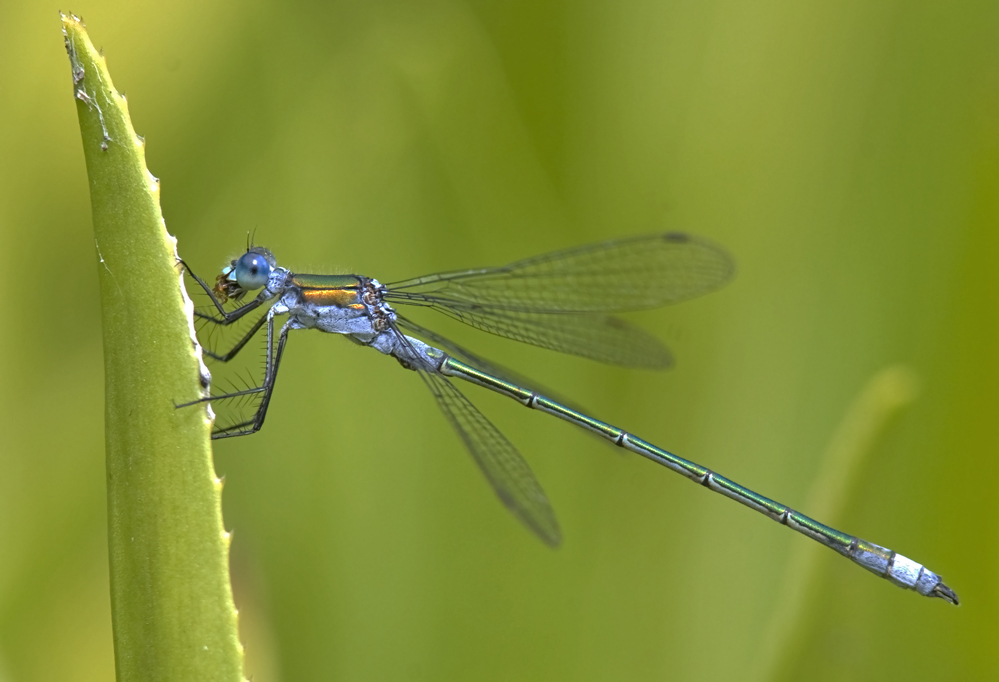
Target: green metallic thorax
x: 326, y: 281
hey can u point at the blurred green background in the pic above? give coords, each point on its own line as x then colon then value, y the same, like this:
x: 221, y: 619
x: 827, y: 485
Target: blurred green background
x: 846, y: 154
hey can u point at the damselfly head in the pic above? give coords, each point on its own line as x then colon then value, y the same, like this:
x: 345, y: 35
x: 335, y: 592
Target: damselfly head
x: 246, y: 273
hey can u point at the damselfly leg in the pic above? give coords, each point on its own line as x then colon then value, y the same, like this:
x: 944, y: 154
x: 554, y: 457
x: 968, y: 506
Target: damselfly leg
x: 271, y: 364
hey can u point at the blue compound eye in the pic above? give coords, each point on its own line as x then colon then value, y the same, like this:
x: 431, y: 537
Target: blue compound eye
x: 252, y: 271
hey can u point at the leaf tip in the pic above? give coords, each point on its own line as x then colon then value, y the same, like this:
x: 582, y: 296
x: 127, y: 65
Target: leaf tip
x: 69, y: 19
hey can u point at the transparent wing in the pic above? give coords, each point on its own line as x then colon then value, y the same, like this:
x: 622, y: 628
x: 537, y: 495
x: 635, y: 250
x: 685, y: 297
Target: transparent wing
x: 599, y: 337
x: 625, y: 274
x: 487, y: 366
x: 507, y: 472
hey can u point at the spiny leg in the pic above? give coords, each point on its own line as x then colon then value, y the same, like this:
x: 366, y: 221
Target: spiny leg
x: 254, y: 424
x: 269, y: 318
x: 226, y: 357
x: 273, y: 361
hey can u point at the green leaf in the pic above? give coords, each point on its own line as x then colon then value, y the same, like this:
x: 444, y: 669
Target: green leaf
x: 171, y: 601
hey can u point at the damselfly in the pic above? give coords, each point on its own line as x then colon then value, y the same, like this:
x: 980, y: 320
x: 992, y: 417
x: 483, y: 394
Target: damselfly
x: 562, y: 301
